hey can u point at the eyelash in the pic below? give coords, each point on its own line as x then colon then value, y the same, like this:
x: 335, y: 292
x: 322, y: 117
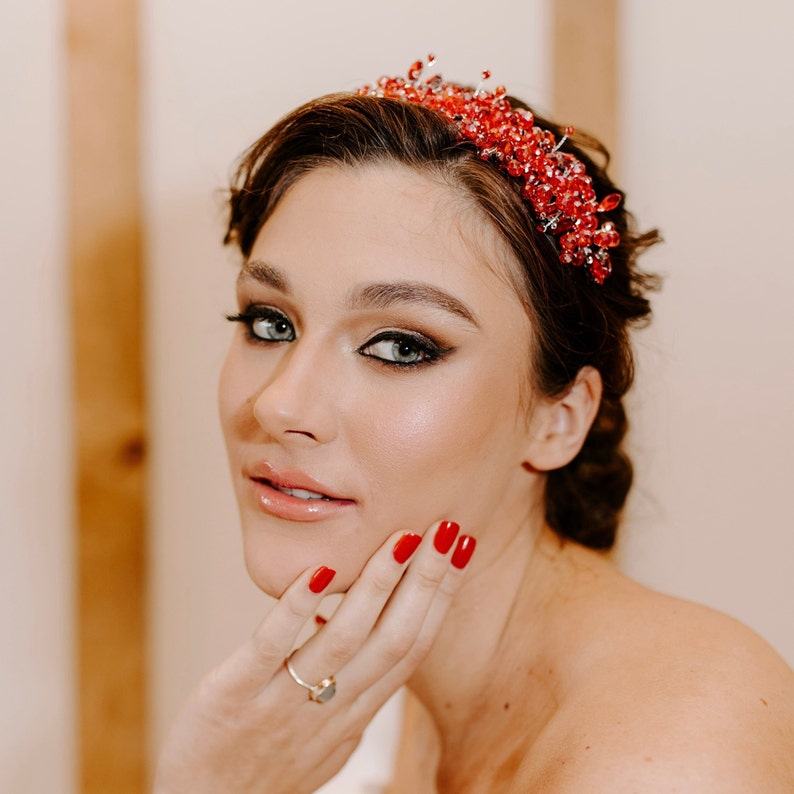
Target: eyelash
x: 254, y: 312
x: 430, y: 352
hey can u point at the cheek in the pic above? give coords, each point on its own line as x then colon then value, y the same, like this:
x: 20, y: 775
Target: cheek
x: 238, y: 387
x: 435, y: 450
x: 226, y: 391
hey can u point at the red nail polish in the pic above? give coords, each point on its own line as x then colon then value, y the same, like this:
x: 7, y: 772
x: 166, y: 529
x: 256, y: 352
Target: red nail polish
x: 445, y: 536
x: 463, y: 551
x: 321, y: 578
x: 320, y: 620
x: 405, y: 547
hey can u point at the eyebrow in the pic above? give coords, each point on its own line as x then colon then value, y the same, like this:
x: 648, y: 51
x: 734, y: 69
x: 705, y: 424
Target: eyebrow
x: 383, y: 295
x: 377, y: 295
x: 266, y: 274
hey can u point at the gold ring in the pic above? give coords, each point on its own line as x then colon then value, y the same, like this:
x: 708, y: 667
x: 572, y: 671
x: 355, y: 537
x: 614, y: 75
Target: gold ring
x: 319, y: 693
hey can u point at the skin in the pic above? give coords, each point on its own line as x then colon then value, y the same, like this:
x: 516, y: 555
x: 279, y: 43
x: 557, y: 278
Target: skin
x: 576, y: 678
x: 391, y: 439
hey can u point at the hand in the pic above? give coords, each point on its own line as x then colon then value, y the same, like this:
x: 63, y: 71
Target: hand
x: 249, y: 728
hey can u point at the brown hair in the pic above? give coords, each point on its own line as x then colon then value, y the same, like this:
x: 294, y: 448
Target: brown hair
x: 576, y: 322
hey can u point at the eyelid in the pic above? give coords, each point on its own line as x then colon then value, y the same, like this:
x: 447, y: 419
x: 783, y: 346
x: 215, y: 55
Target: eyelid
x: 433, y: 351
x: 261, y: 311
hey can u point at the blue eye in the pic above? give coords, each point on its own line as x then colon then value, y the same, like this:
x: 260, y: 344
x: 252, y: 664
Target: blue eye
x: 265, y: 324
x: 400, y: 349
x: 273, y: 329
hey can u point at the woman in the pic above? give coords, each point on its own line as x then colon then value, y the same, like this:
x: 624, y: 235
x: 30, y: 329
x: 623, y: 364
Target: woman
x: 434, y: 308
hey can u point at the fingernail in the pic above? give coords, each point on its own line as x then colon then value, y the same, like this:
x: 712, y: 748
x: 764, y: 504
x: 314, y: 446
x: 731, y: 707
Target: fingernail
x: 463, y: 551
x: 320, y: 620
x: 321, y: 578
x: 405, y: 547
x: 445, y: 536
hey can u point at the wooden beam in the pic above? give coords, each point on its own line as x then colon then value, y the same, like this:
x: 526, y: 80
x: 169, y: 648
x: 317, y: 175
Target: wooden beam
x: 106, y: 299
x: 585, y: 85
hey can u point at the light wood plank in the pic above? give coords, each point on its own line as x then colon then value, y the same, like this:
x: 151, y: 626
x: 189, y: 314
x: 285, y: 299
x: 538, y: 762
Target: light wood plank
x: 105, y: 261
x: 585, y: 75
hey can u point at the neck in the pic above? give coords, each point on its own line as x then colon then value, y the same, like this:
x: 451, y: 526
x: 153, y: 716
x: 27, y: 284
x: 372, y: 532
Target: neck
x: 501, y: 625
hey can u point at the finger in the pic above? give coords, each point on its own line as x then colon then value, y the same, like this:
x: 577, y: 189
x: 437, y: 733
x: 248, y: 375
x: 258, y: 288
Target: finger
x: 262, y: 656
x: 352, y: 622
x: 405, y: 633
x: 396, y: 644
x: 363, y: 676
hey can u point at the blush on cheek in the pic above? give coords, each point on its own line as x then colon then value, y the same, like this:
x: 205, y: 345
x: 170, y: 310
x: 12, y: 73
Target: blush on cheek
x: 411, y: 449
x: 398, y: 429
x: 439, y: 432
x: 447, y: 457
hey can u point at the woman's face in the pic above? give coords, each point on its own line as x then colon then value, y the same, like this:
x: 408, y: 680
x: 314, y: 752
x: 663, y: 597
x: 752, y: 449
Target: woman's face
x: 375, y: 381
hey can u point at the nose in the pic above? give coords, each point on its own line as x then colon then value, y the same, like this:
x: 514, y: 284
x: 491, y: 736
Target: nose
x: 297, y: 401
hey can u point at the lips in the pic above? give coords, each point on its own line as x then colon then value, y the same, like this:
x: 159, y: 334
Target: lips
x: 293, y: 494
x: 298, y: 493
x: 287, y: 480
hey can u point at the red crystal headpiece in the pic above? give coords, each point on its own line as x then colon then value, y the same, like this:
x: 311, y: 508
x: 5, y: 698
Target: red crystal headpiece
x: 553, y: 182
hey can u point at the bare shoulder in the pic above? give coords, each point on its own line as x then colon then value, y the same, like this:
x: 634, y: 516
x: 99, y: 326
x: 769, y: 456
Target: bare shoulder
x: 680, y: 698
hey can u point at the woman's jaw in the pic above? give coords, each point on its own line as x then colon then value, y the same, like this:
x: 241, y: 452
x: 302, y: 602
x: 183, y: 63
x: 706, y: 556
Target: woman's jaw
x: 373, y: 384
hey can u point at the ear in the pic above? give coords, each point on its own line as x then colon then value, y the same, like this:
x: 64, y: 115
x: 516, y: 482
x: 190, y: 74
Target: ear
x: 559, y: 426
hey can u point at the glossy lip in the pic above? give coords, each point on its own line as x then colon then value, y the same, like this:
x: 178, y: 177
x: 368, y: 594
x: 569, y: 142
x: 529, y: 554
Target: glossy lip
x: 262, y: 476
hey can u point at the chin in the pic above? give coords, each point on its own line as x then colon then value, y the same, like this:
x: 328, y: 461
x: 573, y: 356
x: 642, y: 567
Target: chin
x: 272, y: 583
x: 274, y: 563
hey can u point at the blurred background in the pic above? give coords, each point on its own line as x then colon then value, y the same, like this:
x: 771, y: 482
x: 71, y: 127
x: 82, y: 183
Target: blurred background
x: 121, y: 572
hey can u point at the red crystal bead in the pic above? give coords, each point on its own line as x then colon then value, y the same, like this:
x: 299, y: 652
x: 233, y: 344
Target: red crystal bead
x: 609, y: 202
x: 575, y: 258
x: 583, y: 239
x: 607, y: 236
x: 569, y: 241
x: 486, y: 74
x: 559, y: 182
x: 415, y: 70
x: 569, y: 130
x: 569, y: 204
x: 600, y: 268
x: 566, y: 162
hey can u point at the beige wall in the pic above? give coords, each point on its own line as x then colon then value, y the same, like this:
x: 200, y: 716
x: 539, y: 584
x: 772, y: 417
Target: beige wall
x: 706, y: 112
x: 37, y: 713
x: 707, y: 124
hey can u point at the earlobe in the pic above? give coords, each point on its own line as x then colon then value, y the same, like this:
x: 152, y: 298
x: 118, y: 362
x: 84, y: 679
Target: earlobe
x: 560, y: 425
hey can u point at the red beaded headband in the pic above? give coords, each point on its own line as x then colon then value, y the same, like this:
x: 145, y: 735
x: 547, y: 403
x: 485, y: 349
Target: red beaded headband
x: 553, y: 182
